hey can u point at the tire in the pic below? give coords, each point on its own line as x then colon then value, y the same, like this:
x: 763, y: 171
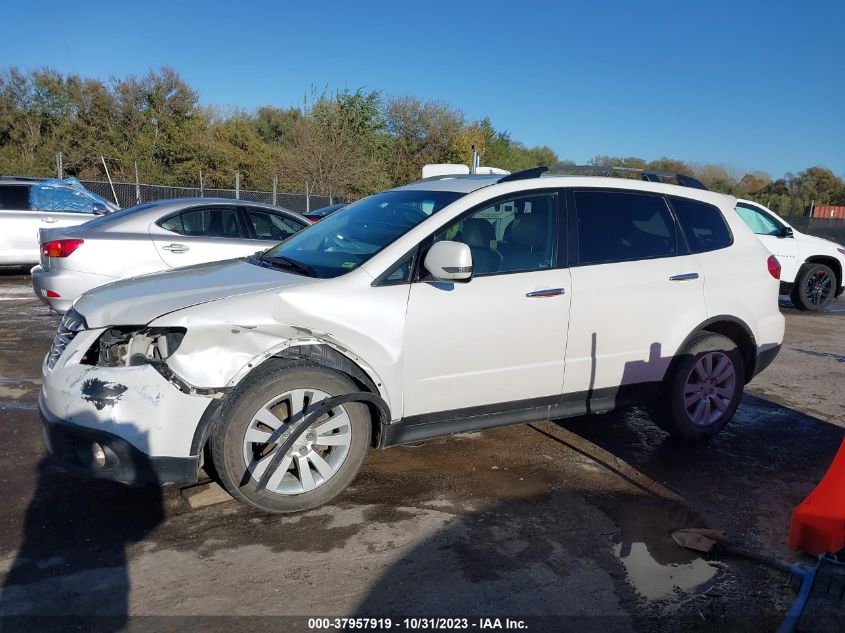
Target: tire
x: 815, y: 286
x: 702, y: 357
x: 311, y: 473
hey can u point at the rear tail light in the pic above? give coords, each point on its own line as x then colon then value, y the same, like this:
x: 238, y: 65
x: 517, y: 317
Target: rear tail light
x: 60, y: 248
x: 774, y: 267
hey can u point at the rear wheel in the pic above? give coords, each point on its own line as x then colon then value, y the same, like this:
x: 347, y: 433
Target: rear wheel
x: 815, y: 287
x: 321, y: 462
x: 703, y: 389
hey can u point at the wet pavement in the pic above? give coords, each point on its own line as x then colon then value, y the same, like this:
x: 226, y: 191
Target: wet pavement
x: 565, y: 523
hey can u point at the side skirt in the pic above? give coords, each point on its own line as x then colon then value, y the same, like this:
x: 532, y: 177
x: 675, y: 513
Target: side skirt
x: 431, y: 425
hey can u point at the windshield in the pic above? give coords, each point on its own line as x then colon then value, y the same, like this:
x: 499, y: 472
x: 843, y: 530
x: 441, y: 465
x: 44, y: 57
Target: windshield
x: 349, y: 237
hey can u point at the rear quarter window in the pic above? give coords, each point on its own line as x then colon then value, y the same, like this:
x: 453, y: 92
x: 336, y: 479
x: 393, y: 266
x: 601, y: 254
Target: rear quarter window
x: 703, y: 225
x: 15, y: 197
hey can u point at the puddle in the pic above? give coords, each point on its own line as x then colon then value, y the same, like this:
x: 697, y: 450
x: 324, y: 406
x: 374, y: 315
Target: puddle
x: 656, y: 566
x: 655, y: 581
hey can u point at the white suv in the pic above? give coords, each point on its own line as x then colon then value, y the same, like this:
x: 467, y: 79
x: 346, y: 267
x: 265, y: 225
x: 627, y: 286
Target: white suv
x: 812, y: 266
x: 447, y: 305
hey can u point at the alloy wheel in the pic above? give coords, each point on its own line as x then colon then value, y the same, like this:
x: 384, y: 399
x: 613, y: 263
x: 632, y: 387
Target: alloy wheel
x: 818, y: 288
x: 316, y: 455
x: 709, y: 388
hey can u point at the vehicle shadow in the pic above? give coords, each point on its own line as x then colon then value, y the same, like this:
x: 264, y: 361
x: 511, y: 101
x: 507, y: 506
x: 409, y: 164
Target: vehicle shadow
x: 768, y: 456
x: 70, y: 572
x: 594, y: 551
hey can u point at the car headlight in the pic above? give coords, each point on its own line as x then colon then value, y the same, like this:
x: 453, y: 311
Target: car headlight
x: 71, y: 324
x: 127, y: 346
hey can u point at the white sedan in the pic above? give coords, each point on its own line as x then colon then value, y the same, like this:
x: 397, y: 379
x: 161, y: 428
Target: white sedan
x: 153, y: 237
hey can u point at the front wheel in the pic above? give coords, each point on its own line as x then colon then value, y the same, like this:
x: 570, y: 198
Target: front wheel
x: 703, y: 389
x: 322, y: 461
x: 815, y: 287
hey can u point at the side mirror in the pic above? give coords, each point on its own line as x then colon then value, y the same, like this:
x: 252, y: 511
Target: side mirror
x: 99, y: 208
x: 449, y: 261
x: 787, y: 232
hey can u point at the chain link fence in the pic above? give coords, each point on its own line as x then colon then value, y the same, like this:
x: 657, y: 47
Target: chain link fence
x: 129, y: 194
x: 828, y: 228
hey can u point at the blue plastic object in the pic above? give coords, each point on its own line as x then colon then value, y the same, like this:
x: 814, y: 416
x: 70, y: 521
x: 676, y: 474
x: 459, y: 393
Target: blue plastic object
x: 822, y: 589
x: 66, y: 194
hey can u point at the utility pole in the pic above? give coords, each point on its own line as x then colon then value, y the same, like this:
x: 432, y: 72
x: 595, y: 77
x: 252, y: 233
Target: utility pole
x: 237, y: 185
x: 59, y: 170
x: 137, y: 185
x: 108, y: 176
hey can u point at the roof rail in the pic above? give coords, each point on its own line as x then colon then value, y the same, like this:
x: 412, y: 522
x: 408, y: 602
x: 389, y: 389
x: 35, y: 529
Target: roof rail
x: 650, y: 175
x: 24, y: 178
x: 534, y: 172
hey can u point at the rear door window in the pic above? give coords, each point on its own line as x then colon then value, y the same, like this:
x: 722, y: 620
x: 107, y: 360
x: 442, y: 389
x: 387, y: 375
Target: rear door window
x: 703, y: 225
x: 619, y: 226
x: 60, y: 200
x: 15, y: 197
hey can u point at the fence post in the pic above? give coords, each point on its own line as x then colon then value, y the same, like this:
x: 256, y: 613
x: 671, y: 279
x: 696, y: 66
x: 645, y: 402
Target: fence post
x: 137, y: 185
x: 307, y: 199
x: 111, y: 184
x: 59, y: 169
x: 237, y: 185
x: 275, y: 184
x: 202, y: 194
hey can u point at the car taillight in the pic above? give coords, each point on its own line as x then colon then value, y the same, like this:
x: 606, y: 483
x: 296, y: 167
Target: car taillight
x: 774, y: 267
x: 60, y: 248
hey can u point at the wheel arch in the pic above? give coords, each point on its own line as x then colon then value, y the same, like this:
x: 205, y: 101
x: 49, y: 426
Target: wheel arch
x: 318, y: 353
x: 735, y: 329
x: 832, y: 263
x: 331, y: 357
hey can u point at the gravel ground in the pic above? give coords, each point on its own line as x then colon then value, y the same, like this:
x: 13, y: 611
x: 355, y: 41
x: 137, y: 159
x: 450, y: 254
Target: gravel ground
x: 564, y: 524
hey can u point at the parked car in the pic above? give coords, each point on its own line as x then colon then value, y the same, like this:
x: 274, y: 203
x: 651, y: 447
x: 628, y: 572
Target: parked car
x: 812, y: 267
x: 319, y: 214
x: 27, y: 204
x: 154, y: 237
x: 439, y: 307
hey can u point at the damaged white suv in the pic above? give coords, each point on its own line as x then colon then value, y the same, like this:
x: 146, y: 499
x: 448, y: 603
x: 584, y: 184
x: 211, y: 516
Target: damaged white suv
x: 447, y: 305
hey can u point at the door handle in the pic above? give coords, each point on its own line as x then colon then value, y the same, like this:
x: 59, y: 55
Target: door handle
x: 176, y: 248
x: 48, y: 220
x: 550, y: 292
x: 684, y: 277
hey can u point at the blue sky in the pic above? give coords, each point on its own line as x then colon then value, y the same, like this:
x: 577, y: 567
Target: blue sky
x: 753, y: 85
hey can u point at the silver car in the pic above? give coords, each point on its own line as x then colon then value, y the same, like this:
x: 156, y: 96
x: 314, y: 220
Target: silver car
x: 153, y: 237
x: 28, y: 204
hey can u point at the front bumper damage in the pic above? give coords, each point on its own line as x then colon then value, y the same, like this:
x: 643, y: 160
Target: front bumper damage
x: 122, y: 423
x: 107, y: 456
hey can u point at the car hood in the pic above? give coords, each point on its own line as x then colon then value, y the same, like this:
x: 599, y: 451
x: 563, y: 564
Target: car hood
x: 820, y: 242
x: 139, y: 300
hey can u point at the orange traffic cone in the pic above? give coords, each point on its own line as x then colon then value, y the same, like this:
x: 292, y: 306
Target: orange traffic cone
x: 818, y: 523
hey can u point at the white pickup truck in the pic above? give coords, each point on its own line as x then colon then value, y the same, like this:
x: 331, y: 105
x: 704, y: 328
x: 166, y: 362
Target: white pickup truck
x: 811, y: 267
